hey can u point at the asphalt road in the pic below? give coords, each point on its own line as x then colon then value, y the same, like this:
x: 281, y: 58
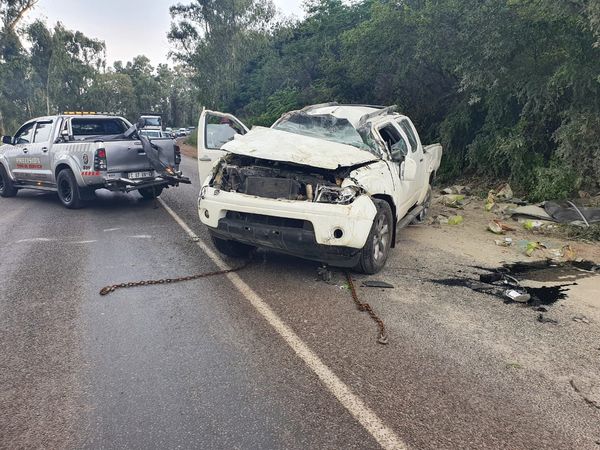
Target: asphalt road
x: 197, y: 365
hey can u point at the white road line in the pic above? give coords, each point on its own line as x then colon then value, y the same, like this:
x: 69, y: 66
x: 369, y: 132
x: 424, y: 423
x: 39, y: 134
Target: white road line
x: 359, y: 410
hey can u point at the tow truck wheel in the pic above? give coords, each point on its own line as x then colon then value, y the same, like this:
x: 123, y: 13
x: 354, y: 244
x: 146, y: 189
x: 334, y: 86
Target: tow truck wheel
x: 375, y: 252
x: 231, y: 248
x: 7, y: 188
x: 151, y: 193
x: 68, y: 190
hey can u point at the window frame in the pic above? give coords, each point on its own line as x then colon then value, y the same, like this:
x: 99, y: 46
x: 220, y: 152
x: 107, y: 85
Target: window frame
x: 43, y: 122
x: 23, y: 127
x: 409, y: 131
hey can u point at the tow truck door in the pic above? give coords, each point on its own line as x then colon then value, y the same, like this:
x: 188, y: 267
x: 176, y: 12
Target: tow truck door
x: 41, y: 171
x: 215, y: 129
x: 18, y: 157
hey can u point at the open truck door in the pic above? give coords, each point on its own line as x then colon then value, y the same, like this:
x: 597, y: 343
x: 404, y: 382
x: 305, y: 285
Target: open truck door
x: 215, y: 129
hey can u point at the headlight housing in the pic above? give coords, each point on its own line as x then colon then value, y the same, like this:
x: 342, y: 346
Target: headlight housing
x: 338, y: 195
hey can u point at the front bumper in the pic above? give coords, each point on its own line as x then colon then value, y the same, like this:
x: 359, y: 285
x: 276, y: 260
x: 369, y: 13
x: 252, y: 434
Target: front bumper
x: 337, y: 226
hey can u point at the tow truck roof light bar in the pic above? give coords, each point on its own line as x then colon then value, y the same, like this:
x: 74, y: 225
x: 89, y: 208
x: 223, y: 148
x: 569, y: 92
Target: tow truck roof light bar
x: 87, y: 113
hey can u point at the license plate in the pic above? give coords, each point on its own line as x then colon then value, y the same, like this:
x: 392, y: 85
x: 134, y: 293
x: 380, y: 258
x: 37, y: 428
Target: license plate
x: 135, y: 175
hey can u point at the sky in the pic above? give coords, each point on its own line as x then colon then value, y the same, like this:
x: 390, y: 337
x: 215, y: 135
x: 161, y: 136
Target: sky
x: 128, y: 27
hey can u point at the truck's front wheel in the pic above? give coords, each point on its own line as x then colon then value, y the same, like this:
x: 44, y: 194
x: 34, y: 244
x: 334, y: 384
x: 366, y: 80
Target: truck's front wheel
x: 231, y: 248
x: 7, y: 188
x: 68, y: 190
x: 375, y: 252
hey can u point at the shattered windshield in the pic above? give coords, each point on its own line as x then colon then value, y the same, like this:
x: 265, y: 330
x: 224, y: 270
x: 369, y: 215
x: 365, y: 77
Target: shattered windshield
x: 326, y: 127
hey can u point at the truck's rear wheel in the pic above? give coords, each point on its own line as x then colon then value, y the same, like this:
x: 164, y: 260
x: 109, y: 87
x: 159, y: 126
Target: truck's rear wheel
x: 7, y: 188
x: 231, y: 248
x: 68, y: 189
x: 375, y: 252
x: 150, y: 193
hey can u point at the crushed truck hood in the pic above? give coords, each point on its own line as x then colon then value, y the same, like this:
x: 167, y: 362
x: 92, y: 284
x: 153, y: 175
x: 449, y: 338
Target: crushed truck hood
x: 277, y: 145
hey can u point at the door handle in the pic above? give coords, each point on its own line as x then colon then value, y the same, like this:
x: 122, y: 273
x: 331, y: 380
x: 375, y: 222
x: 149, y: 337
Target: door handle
x: 45, y: 149
x: 25, y: 150
x: 204, y: 158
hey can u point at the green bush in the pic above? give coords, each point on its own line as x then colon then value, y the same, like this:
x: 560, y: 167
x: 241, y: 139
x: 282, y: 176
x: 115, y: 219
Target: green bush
x: 192, y: 138
x: 556, y: 182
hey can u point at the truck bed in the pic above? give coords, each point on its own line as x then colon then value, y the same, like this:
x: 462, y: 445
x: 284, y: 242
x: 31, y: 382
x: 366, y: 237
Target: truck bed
x: 129, y: 155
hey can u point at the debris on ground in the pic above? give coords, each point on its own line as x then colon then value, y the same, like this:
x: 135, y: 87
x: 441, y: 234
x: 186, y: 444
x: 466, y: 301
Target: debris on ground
x: 528, y: 248
x: 497, y: 227
x: 581, y: 319
x: 506, y: 282
x: 440, y: 220
x: 565, y: 213
x: 506, y: 242
x: 543, y: 319
x: 460, y: 190
x: 377, y: 284
x: 452, y: 200
x: 324, y: 274
x: 504, y: 193
x: 456, y: 220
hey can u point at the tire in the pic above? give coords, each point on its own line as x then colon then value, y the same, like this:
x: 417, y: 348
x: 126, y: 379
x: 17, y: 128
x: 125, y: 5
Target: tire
x: 150, y: 193
x: 68, y: 189
x: 7, y: 188
x: 377, y: 249
x: 423, y: 215
x: 231, y: 248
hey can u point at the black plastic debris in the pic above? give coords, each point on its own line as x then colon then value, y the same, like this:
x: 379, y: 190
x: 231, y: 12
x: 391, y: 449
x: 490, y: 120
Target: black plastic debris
x: 324, y: 274
x: 505, y: 282
x: 377, y: 284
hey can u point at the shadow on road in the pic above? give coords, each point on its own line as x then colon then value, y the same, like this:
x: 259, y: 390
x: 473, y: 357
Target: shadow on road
x: 103, y: 200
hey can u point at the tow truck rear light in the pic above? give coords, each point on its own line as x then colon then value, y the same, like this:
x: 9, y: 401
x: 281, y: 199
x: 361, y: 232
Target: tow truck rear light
x: 100, y: 160
x: 177, y: 154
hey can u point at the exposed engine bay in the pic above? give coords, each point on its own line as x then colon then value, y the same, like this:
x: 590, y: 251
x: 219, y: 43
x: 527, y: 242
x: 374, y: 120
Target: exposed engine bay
x: 279, y: 180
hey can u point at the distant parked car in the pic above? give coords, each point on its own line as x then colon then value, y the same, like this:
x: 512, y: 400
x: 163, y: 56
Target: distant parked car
x: 182, y: 132
x: 154, y: 134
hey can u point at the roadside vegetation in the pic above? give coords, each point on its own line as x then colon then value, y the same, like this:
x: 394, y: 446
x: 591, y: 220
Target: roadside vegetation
x: 510, y: 87
x: 48, y: 69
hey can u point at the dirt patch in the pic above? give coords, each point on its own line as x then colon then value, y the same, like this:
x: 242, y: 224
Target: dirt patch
x: 186, y: 149
x: 471, y: 239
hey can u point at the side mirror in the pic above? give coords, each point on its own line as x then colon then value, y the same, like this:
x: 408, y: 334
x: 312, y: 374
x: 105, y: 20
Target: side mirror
x: 7, y: 139
x: 141, y: 123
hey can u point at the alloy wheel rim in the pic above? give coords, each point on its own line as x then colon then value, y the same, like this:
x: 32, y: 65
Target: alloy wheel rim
x: 65, y: 191
x: 381, y: 239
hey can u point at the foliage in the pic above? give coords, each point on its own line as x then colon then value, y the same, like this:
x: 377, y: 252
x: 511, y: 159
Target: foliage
x: 555, y: 182
x: 510, y: 87
x: 46, y: 70
x: 516, y: 97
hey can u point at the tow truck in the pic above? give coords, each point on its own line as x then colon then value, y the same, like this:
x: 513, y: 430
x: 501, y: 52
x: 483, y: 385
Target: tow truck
x: 77, y: 153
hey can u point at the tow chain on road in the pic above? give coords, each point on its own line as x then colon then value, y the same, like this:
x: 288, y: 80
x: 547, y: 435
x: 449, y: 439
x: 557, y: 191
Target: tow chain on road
x: 383, y: 337
x: 108, y: 289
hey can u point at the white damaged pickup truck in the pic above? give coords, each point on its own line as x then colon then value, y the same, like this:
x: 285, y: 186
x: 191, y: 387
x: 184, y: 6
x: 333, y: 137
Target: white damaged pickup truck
x: 331, y: 183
